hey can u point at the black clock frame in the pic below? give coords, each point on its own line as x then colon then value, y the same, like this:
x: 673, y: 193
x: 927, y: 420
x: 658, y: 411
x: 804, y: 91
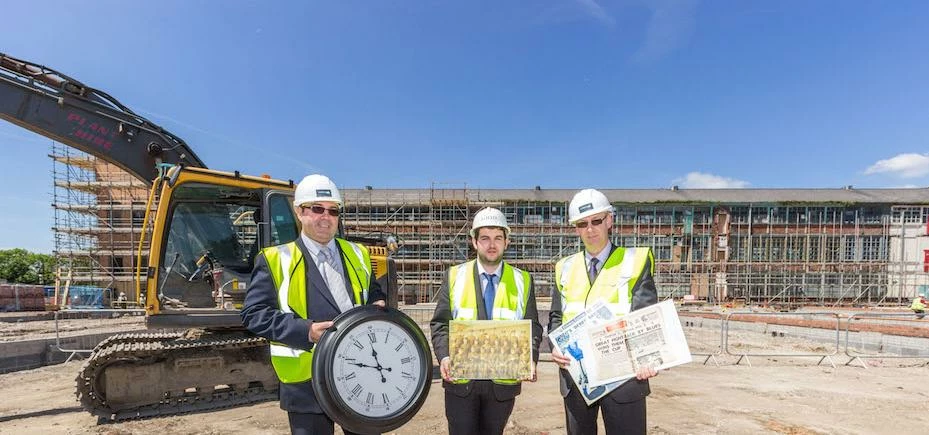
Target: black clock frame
x: 324, y: 381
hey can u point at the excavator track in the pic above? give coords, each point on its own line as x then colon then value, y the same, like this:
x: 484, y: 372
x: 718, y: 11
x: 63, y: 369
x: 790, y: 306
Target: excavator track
x: 140, y: 375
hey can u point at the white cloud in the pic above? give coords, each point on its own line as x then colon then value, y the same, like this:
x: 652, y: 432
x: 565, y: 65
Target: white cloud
x: 906, y: 165
x: 700, y: 180
x: 592, y: 8
x: 670, y: 27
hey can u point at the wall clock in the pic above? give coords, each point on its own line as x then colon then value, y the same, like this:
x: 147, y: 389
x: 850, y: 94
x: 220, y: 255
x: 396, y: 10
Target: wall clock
x: 372, y: 369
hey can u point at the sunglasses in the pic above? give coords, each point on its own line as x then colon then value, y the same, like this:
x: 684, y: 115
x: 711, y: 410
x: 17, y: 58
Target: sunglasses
x: 318, y: 209
x: 583, y: 224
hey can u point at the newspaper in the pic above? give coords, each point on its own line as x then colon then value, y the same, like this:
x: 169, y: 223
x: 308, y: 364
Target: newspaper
x: 490, y: 349
x: 606, y: 350
x: 572, y: 338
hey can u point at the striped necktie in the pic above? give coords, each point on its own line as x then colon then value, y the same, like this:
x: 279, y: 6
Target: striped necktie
x: 592, y: 273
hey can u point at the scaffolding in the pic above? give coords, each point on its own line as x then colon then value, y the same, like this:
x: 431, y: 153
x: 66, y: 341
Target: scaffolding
x: 772, y: 252
x: 98, y: 215
x: 766, y: 246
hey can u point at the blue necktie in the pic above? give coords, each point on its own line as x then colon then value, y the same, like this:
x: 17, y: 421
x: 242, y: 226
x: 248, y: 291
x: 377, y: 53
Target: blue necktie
x: 490, y: 291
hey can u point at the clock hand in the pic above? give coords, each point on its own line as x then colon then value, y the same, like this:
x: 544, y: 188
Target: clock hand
x: 374, y: 353
x: 380, y: 368
x: 364, y: 365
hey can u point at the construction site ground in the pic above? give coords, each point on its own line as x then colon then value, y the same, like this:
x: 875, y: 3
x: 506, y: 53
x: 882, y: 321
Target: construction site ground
x: 41, y: 325
x: 776, y: 395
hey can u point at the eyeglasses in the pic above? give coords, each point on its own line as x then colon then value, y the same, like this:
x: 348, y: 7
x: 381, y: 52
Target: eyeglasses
x: 583, y: 224
x: 318, y: 209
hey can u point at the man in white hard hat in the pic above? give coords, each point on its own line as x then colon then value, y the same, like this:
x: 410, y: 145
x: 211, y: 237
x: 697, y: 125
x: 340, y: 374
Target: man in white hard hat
x: 486, y: 288
x: 320, y: 276
x: 621, y: 277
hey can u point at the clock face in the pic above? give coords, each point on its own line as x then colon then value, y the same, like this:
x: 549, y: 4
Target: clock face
x: 377, y: 369
x: 372, y: 369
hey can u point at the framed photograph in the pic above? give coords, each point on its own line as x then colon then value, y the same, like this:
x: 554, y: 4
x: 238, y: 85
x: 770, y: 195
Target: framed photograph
x: 490, y: 349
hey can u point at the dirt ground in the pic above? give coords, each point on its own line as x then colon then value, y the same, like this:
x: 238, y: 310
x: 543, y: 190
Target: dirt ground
x: 773, y: 395
x: 38, y: 329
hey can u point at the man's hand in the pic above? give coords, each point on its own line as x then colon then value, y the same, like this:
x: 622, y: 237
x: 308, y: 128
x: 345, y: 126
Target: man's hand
x: 317, y: 329
x: 644, y: 373
x: 445, y: 368
x: 535, y: 375
x: 381, y: 303
x: 560, y: 359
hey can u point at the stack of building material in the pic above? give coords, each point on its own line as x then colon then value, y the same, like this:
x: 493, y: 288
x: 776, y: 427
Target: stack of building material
x: 22, y: 297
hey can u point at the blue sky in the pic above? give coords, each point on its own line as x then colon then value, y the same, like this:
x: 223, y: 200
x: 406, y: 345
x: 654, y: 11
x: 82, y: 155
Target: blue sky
x: 489, y: 94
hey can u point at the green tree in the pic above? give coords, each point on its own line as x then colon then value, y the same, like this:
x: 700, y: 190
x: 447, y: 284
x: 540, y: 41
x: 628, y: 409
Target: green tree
x: 24, y: 267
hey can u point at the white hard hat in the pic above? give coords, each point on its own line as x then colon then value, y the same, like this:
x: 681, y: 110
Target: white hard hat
x: 587, y: 202
x: 489, y: 217
x: 316, y: 188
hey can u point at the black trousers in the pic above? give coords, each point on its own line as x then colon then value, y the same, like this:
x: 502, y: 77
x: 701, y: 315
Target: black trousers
x: 312, y: 424
x: 618, y: 418
x: 477, y: 413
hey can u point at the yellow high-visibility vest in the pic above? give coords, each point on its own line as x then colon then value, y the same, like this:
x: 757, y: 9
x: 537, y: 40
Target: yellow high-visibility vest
x: 294, y: 365
x: 613, y: 285
x: 918, y: 305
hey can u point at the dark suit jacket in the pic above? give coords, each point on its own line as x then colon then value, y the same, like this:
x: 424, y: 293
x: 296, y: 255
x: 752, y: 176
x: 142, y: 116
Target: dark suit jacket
x: 262, y: 315
x: 439, y: 326
x: 643, y: 294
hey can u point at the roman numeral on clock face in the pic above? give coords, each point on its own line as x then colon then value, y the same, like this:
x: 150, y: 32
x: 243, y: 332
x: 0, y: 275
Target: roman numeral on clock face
x: 372, y: 337
x: 405, y: 360
x: 357, y: 390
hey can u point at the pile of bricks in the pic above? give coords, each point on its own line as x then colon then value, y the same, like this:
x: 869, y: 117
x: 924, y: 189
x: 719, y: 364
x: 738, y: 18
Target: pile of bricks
x: 22, y: 297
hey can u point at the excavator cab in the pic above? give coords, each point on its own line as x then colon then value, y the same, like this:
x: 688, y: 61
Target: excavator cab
x: 206, y: 234
x: 210, y: 247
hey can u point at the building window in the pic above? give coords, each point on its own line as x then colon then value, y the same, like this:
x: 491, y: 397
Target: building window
x: 873, y: 248
x: 850, y: 248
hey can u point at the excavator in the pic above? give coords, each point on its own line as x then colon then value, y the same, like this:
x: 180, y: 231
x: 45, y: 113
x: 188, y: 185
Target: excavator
x: 205, y: 228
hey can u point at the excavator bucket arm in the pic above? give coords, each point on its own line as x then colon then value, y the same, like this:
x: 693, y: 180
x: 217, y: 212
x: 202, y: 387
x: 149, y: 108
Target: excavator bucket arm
x: 56, y: 106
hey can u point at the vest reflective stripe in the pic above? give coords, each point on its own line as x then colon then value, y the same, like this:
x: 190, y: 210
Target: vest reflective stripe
x: 521, y: 297
x: 613, y: 285
x: 284, y: 351
x: 358, y: 272
x: 508, y: 304
x: 458, y: 276
x: 283, y: 290
x: 283, y: 296
x: 562, y: 282
x: 288, y: 271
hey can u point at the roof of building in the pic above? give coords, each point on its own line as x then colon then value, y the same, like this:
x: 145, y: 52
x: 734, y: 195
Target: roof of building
x: 901, y: 196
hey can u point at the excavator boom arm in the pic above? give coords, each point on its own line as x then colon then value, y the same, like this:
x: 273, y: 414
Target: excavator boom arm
x: 56, y: 106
